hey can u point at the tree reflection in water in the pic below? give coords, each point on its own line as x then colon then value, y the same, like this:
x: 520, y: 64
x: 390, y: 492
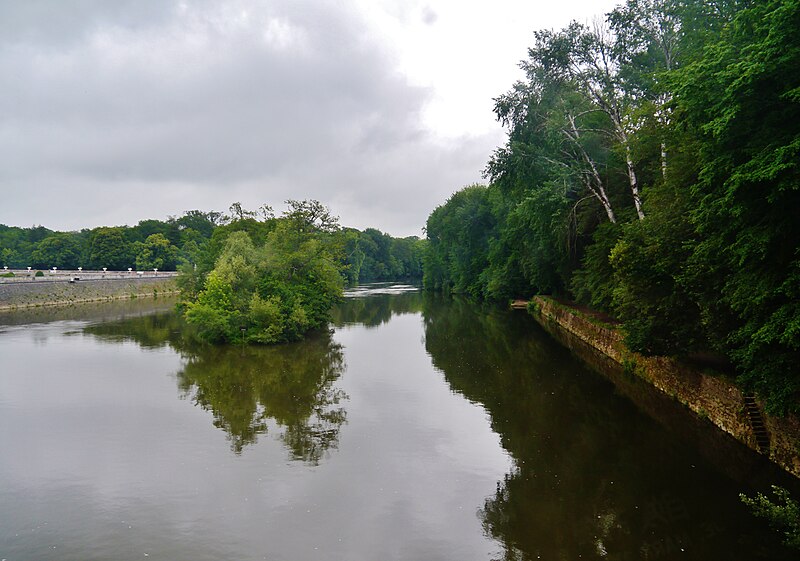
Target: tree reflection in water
x: 255, y: 389
x: 593, y: 478
x: 292, y: 385
x: 375, y: 310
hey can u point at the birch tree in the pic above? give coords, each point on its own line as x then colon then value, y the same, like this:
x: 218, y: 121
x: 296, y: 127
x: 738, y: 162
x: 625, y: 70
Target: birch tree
x: 584, y: 58
x: 647, y: 44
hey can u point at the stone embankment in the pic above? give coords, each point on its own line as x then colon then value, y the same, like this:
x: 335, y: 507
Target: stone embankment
x: 25, y: 290
x: 710, y: 395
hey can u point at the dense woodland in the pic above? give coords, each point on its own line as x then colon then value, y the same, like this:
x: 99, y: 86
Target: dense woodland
x: 197, y: 238
x: 247, y: 276
x: 651, y: 172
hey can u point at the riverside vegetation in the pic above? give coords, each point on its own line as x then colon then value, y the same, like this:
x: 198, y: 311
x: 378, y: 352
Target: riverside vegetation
x: 197, y: 238
x: 650, y: 172
x: 273, y: 280
x: 247, y: 276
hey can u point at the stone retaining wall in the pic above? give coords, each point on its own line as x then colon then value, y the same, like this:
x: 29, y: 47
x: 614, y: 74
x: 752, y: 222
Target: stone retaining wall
x: 709, y: 395
x: 48, y: 293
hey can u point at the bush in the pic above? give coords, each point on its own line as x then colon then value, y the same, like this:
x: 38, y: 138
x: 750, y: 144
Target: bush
x: 269, y: 294
x: 783, y: 514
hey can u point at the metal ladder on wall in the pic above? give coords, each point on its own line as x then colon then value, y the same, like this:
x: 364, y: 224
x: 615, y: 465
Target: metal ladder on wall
x: 757, y: 422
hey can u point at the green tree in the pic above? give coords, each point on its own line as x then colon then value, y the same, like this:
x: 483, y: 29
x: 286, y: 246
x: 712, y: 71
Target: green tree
x: 156, y: 252
x: 145, y: 228
x: 199, y: 221
x: 740, y: 101
x: 783, y: 514
x: 62, y: 250
x: 109, y: 248
x: 273, y: 292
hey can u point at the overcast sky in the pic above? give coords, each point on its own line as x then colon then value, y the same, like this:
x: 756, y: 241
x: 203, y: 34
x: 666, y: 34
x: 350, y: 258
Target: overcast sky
x: 116, y: 111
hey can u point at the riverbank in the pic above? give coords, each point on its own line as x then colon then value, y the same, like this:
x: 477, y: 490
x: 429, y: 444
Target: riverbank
x: 30, y: 294
x: 710, y: 395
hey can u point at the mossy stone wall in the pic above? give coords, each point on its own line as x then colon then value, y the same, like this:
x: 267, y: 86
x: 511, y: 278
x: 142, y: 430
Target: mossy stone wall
x: 710, y: 395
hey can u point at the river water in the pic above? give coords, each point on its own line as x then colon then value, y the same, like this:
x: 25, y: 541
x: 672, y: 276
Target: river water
x: 418, y: 428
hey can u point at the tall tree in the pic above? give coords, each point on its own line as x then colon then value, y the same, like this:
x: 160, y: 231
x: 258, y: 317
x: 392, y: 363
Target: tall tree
x: 62, y: 250
x: 584, y: 58
x: 109, y: 248
x: 741, y: 100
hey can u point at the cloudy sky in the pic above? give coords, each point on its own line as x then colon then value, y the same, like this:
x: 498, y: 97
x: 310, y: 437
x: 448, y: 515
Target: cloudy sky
x: 116, y: 111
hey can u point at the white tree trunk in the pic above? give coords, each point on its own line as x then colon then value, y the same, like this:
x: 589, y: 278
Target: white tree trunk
x: 637, y: 201
x: 592, y: 180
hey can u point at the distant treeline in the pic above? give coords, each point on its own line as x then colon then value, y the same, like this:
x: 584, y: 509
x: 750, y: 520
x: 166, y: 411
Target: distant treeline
x: 196, y: 239
x: 652, y: 170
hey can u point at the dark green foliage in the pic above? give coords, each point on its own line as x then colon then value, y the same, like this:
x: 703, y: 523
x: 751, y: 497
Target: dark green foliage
x: 783, y: 514
x: 156, y: 252
x: 62, y: 250
x: 741, y: 101
x: 275, y: 291
x: 593, y: 284
x: 696, y: 102
x: 460, y: 235
x: 16, y: 244
x: 109, y: 248
x: 374, y: 256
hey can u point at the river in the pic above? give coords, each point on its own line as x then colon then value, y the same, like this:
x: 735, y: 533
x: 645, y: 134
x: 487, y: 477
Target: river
x: 418, y: 428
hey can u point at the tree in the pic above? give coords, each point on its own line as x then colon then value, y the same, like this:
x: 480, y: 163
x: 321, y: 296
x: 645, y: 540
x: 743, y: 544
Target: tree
x: 199, y: 221
x: 62, y: 250
x: 459, y: 237
x: 270, y: 293
x: 311, y: 215
x: 156, y: 252
x: 239, y: 213
x: 169, y: 230
x: 740, y: 101
x: 583, y: 59
x: 109, y: 248
x: 783, y: 514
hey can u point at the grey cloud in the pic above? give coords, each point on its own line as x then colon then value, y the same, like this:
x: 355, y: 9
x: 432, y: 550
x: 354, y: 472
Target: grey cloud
x: 53, y: 23
x: 194, y: 104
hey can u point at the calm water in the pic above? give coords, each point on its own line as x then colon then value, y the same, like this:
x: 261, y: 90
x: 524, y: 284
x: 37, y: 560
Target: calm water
x: 420, y: 428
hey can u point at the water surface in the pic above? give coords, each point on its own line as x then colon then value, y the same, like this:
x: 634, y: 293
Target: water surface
x: 418, y: 428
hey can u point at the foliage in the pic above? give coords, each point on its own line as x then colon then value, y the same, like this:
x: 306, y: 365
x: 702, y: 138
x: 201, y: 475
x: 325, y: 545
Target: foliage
x: 651, y: 171
x: 783, y: 514
x: 156, y: 252
x: 274, y: 292
x: 459, y: 234
x: 593, y: 283
x: 57, y: 250
x: 109, y: 248
x: 740, y: 100
x: 194, y: 241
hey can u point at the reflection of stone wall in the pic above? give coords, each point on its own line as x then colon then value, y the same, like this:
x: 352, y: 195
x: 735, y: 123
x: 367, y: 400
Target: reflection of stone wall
x: 47, y: 293
x: 710, y: 396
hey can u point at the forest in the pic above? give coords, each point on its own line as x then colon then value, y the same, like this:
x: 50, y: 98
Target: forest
x: 246, y: 276
x: 197, y: 238
x: 650, y: 172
